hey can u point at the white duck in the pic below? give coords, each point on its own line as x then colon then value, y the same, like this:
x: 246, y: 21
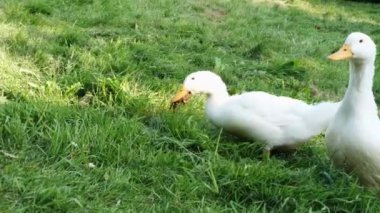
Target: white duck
x: 275, y: 120
x: 353, y: 137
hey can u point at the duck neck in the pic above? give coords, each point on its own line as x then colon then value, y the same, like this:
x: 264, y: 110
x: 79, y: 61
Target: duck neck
x: 359, y: 96
x: 361, y: 75
x: 214, y: 100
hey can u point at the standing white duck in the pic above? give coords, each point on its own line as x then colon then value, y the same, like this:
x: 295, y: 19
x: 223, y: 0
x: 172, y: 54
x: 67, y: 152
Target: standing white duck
x: 353, y: 137
x: 274, y: 120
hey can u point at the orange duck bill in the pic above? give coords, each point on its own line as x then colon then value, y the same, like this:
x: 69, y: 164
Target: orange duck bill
x: 181, y: 97
x: 343, y: 53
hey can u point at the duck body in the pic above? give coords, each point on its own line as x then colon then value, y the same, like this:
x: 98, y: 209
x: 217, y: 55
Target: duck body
x: 276, y: 121
x: 353, y: 136
x: 356, y: 150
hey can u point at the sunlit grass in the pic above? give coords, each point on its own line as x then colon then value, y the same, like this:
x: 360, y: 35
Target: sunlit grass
x: 342, y: 10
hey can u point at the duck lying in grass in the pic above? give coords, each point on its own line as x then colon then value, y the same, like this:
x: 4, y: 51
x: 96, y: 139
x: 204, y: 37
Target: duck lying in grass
x: 353, y: 137
x: 279, y: 122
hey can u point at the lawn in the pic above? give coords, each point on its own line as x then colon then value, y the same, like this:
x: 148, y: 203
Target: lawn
x: 85, y: 124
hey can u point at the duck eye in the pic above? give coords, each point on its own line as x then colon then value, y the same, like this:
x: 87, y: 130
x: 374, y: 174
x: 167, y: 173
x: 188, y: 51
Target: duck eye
x: 192, y: 78
x: 361, y: 40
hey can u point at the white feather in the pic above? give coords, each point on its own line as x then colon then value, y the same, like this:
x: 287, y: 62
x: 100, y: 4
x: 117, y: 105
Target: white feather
x: 274, y: 120
x: 353, y: 138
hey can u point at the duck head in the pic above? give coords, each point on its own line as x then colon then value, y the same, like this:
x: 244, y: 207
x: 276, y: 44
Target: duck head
x: 358, y: 47
x: 200, y: 82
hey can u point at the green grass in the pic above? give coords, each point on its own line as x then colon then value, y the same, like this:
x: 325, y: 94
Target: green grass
x: 88, y: 83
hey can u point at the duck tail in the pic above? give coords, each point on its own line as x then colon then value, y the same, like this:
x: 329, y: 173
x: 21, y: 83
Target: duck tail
x: 321, y: 114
